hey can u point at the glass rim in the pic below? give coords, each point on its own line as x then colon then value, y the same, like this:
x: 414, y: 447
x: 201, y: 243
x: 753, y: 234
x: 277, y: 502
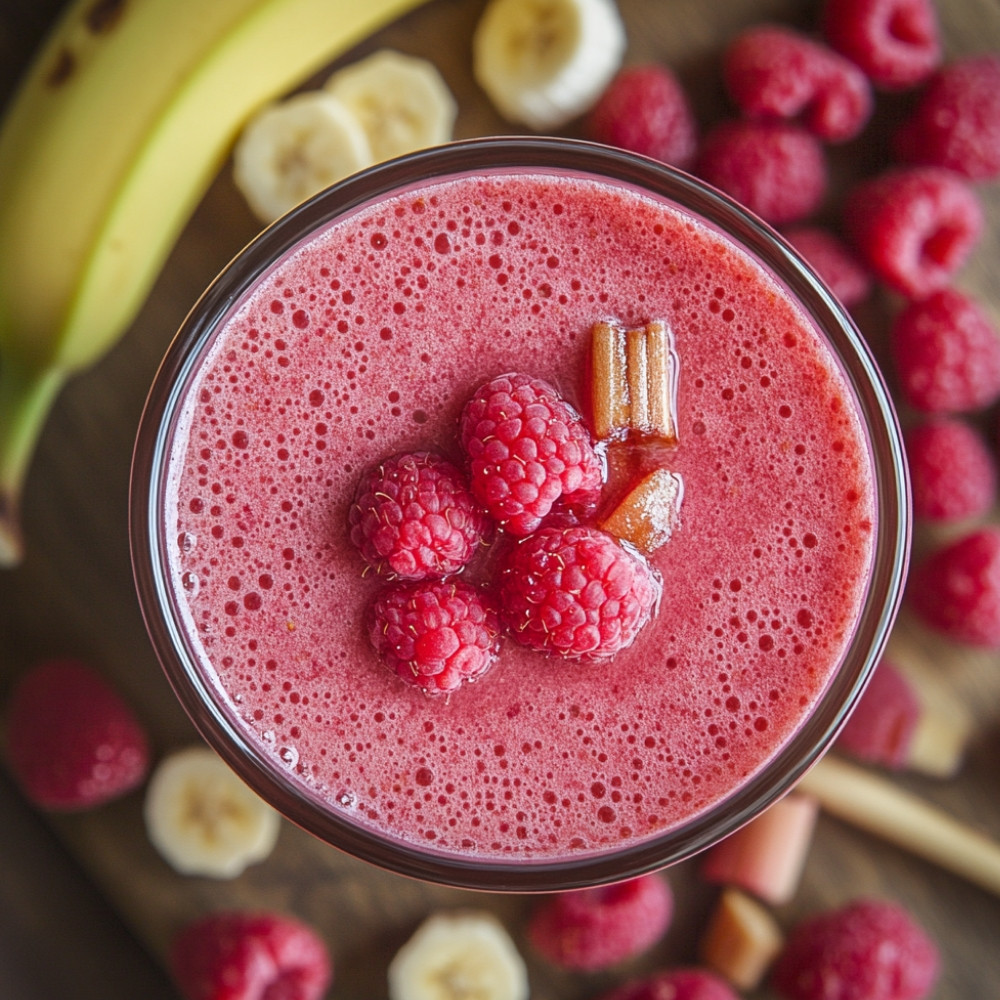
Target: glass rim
x: 527, y: 155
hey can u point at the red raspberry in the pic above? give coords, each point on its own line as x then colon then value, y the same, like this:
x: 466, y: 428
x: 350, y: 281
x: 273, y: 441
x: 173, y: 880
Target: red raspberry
x: 72, y: 742
x: 527, y: 448
x: 576, y: 592
x: 952, y: 472
x: 946, y: 352
x: 435, y: 634
x: 867, y: 950
x: 645, y: 110
x: 957, y: 121
x: 833, y: 261
x: 913, y: 226
x: 956, y: 589
x: 246, y: 956
x: 896, y: 42
x: 592, y: 929
x: 773, y: 72
x: 880, y: 730
x: 414, y: 517
x: 675, y: 984
x: 775, y: 169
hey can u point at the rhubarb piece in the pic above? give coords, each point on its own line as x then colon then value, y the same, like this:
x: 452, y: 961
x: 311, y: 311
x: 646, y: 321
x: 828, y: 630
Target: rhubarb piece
x: 879, y: 806
x: 634, y: 381
x: 649, y: 513
x: 741, y: 940
x: 767, y: 855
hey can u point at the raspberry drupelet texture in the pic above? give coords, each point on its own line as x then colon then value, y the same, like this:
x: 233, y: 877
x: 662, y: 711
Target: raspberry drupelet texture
x: 592, y: 929
x: 775, y: 72
x: 434, y: 634
x: 775, y: 169
x: 527, y: 449
x: 953, y: 473
x: 230, y: 955
x: 946, y: 353
x: 675, y: 984
x: 896, y: 42
x: 881, y: 727
x: 72, y: 741
x: 413, y: 517
x: 956, y: 589
x: 913, y: 226
x: 645, y: 109
x: 834, y: 261
x: 956, y: 123
x: 575, y: 592
x: 867, y: 950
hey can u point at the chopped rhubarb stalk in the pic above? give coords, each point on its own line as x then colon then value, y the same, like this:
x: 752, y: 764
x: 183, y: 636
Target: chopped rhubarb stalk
x: 938, y: 745
x: 661, y: 383
x: 877, y: 805
x: 610, y: 394
x: 741, y: 940
x: 766, y: 857
x: 634, y: 381
x: 650, y: 512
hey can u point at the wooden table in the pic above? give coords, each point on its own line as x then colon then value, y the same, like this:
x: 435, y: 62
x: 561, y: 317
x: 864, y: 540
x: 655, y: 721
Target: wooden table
x: 73, y: 594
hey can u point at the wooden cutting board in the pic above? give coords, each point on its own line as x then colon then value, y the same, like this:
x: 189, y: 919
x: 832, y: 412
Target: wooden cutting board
x: 73, y: 594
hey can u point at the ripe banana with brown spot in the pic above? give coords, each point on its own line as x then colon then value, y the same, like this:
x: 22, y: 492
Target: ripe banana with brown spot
x: 122, y: 121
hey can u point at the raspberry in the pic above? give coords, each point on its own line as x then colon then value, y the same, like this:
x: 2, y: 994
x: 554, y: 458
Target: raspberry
x: 775, y: 169
x: 946, y: 353
x: 527, y: 448
x: 956, y: 123
x: 246, y: 956
x: 645, y: 110
x: 434, y: 634
x: 414, y: 517
x: 913, y: 226
x: 771, y: 71
x: 956, y: 589
x: 952, y: 472
x: 592, y: 929
x: 72, y: 742
x: 867, y: 950
x: 896, y: 42
x: 881, y: 727
x: 575, y: 592
x: 833, y: 261
x: 675, y: 984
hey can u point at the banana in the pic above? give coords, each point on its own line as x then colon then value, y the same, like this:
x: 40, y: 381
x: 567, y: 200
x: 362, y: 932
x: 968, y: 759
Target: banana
x: 119, y: 126
x: 458, y: 955
x: 294, y: 148
x: 544, y: 62
x: 202, y: 819
x: 401, y: 101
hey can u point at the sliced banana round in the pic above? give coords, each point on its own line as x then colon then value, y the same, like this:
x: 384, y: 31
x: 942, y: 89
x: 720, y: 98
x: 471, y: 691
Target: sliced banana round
x: 292, y: 149
x: 203, y: 819
x: 544, y: 62
x: 459, y: 955
x: 402, y: 102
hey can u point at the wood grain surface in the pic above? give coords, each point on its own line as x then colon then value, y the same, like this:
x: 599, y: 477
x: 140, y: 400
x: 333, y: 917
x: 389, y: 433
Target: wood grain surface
x: 73, y: 594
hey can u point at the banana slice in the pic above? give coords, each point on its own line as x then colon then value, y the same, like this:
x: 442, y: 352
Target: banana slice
x: 543, y: 62
x: 402, y: 102
x: 462, y: 955
x: 294, y: 148
x: 203, y: 819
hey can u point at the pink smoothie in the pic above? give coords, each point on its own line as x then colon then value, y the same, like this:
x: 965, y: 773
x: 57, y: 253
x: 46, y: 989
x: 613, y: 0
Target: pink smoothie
x: 365, y: 341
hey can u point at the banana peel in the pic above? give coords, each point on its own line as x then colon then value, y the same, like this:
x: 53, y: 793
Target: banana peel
x: 119, y: 127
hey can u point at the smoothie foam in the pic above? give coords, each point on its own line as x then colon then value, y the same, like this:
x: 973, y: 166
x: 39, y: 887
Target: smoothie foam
x: 366, y: 340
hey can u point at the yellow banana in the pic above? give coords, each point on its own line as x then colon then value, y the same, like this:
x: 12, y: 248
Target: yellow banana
x: 120, y: 125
